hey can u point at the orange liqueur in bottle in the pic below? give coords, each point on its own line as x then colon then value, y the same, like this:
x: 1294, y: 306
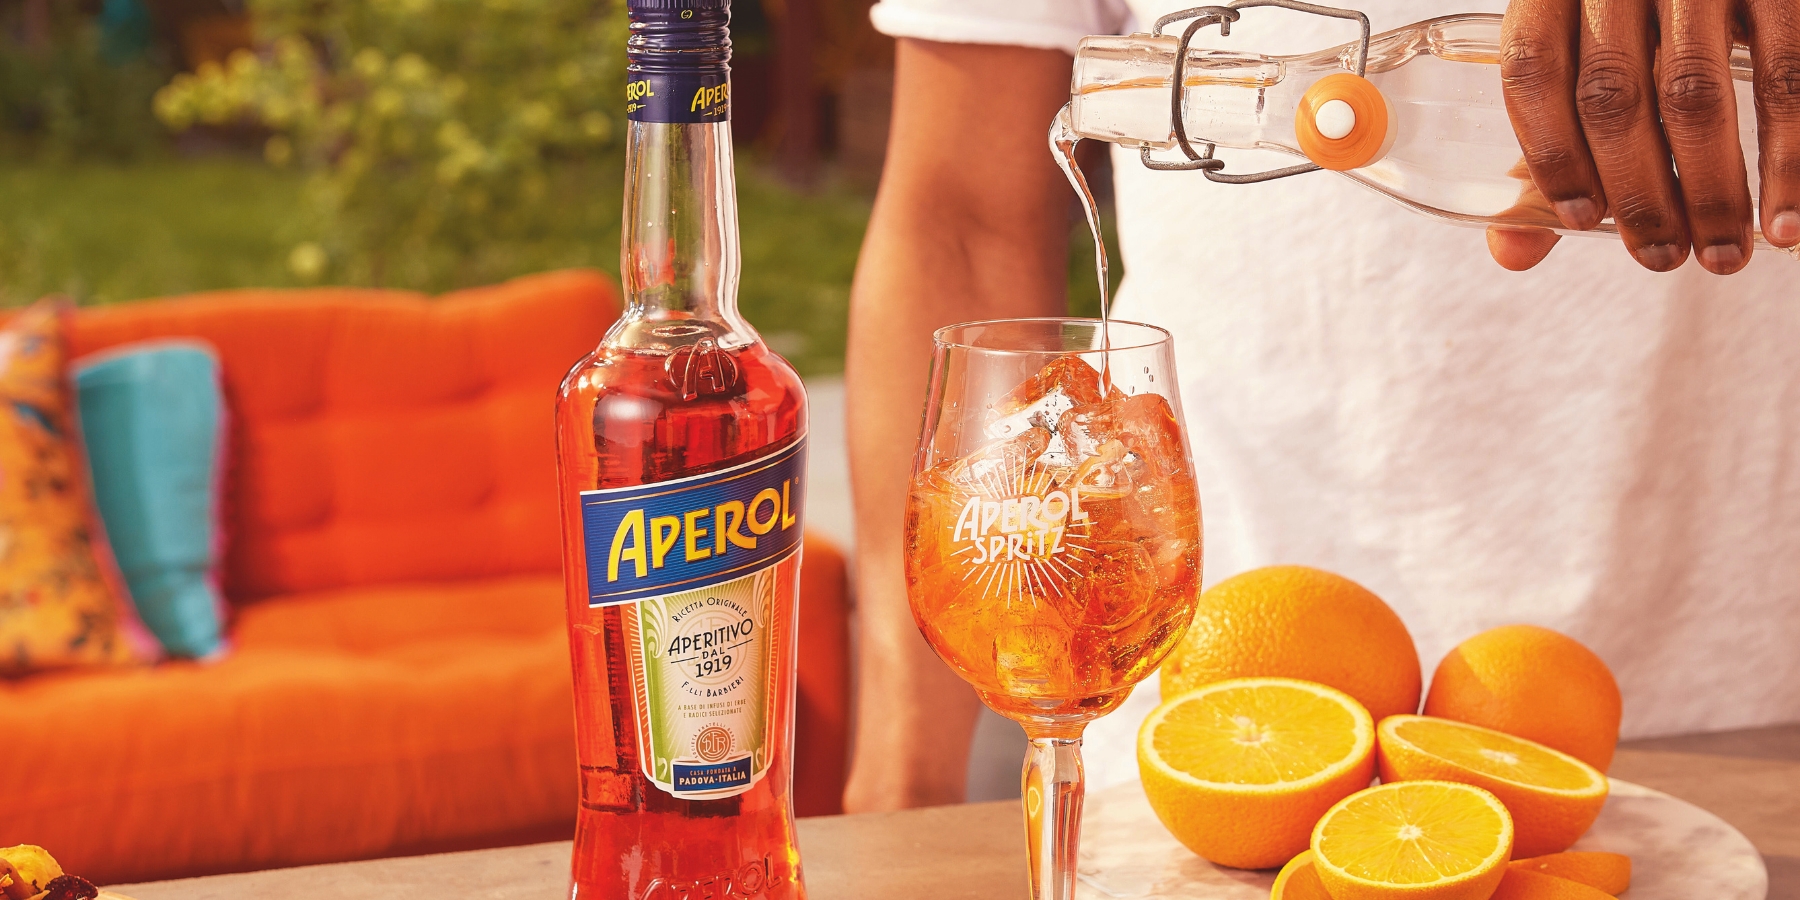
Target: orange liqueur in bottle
x: 681, y: 444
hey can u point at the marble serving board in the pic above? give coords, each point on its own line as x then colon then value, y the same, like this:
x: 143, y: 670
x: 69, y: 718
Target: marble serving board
x: 1678, y: 852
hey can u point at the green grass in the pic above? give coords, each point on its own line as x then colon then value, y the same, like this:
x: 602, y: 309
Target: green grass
x: 107, y: 233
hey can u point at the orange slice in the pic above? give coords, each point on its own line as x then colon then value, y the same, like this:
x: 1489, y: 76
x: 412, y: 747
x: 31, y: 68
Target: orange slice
x: 1299, y: 880
x: 1239, y: 770
x: 1607, y: 872
x: 1554, y: 797
x: 1414, y: 840
x: 1524, y: 884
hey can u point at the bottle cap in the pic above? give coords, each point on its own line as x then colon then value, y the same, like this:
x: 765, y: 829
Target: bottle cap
x: 1344, y: 122
x: 677, y: 61
x: 685, y: 34
x: 632, y: 6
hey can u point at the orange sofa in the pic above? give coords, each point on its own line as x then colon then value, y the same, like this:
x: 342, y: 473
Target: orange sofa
x: 399, y: 678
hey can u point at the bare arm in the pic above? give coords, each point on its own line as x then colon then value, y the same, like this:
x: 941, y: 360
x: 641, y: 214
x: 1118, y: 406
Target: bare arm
x: 971, y: 222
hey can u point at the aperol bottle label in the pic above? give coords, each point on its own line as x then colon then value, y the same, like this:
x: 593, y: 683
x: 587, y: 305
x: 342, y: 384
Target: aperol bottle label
x: 671, y: 537
x: 701, y: 671
x: 682, y: 97
x: 695, y: 563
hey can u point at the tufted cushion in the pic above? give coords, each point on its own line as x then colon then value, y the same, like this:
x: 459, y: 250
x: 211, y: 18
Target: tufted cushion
x: 345, y: 724
x: 382, y: 436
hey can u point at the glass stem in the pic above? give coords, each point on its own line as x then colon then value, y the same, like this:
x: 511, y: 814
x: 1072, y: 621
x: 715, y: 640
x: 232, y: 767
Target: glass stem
x: 1053, y: 789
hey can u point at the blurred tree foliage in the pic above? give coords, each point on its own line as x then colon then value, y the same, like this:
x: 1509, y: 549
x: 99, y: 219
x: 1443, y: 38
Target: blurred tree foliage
x: 436, y: 131
x: 67, y: 94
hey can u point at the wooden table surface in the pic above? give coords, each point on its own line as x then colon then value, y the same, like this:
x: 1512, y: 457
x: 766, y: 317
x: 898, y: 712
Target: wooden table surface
x: 1749, y: 778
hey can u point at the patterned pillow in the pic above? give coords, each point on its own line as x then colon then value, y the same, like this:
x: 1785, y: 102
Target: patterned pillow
x: 59, y: 601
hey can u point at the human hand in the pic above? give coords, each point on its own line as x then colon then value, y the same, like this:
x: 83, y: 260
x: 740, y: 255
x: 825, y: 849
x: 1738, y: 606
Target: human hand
x: 1610, y: 98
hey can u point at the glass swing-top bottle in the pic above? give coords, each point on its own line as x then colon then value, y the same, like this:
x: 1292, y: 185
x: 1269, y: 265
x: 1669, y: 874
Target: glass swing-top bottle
x: 1425, y: 123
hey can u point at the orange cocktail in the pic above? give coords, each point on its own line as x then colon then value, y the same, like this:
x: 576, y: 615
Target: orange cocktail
x: 1054, y: 568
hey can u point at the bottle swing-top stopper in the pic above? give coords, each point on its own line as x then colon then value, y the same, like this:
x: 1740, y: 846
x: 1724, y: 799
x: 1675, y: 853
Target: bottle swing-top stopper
x: 1344, y: 122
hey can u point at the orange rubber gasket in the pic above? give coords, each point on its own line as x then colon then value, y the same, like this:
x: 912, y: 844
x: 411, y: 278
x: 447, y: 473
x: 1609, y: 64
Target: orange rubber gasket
x: 1368, y: 142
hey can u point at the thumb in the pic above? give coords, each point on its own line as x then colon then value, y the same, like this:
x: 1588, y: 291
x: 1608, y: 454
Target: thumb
x: 1518, y: 249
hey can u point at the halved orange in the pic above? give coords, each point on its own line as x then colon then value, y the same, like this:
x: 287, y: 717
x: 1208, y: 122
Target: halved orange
x: 1554, y: 797
x: 1524, y: 884
x: 1414, y: 840
x: 1299, y: 880
x: 1606, y: 872
x: 1239, y: 770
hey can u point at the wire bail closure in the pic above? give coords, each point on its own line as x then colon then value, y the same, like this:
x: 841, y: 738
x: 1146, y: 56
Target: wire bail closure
x: 1222, y: 16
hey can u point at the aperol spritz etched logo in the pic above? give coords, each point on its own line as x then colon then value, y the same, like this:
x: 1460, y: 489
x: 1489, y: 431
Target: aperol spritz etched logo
x: 1027, y: 528
x: 1020, y: 528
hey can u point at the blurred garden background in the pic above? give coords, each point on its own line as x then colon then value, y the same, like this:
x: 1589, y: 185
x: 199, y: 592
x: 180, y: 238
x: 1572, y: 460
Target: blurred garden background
x: 157, y: 147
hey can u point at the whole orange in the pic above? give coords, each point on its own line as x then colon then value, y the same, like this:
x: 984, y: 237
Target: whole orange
x: 1533, y: 683
x: 1299, y: 622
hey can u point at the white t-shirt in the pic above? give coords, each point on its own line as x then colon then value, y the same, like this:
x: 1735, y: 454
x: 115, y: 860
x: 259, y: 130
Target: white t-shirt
x: 1587, y: 446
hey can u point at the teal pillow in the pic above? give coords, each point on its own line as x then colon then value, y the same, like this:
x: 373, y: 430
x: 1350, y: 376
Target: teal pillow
x: 151, y: 418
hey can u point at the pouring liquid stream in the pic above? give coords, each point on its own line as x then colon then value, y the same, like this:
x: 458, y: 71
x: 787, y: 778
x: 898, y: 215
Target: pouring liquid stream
x: 1062, y: 146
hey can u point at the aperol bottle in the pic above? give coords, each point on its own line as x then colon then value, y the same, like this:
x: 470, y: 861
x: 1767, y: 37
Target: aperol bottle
x: 681, y: 444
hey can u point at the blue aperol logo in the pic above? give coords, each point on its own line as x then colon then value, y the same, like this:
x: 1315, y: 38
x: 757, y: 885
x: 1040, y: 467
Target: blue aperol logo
x: 691, y: 533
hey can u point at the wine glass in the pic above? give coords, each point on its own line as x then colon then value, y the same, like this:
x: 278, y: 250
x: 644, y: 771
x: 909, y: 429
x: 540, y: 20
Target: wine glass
x: 1053, y: 538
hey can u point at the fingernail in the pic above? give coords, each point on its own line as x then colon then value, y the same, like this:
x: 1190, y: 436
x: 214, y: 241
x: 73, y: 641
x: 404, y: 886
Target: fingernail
x: 1659, y: 257
x: 1785, y: 229
x: 1579, y: 213
x: 1722, y: 258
